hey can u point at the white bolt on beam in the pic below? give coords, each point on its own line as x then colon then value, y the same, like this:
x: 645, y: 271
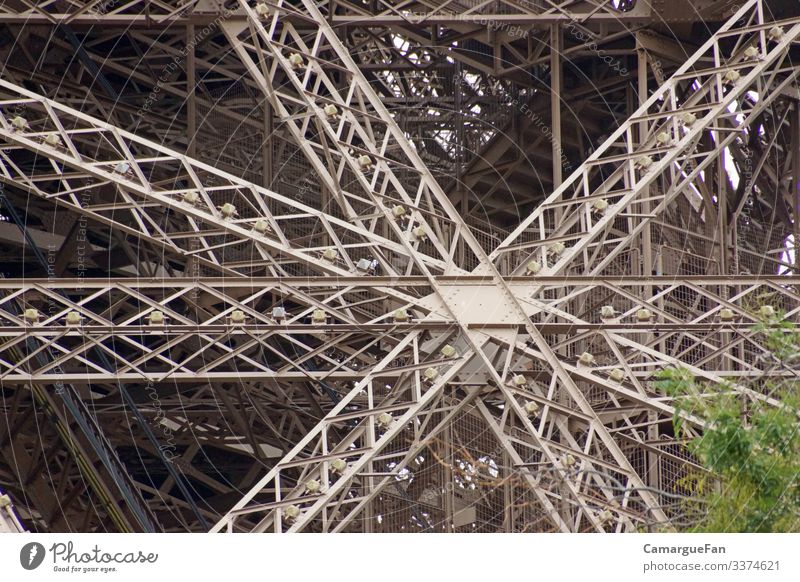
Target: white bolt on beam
x: 586, y: 359
x: 557, y: 248
x: 191, y: 197
x: 644, y: 315
x: 644, y: 162
x: 313, y: 486
x: 238, y: 316
x: 278, y: 313
x: 296, y: 61
x: 73, y: 318
x: 419, y: 233
x: 726, y: 314
x: 688, y: 118
x: 338, y: 465
x: 53, y: 140
x: 663, y: 138
x: 330, y: 255
x: 122, y: 168
x: 262, y: 9
x: 319, y: 316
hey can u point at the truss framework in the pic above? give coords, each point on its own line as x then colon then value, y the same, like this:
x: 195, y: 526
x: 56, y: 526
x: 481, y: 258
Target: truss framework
x: 393, y: 389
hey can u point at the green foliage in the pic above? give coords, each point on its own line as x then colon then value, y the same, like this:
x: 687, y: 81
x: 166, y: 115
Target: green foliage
x: 751, y: 449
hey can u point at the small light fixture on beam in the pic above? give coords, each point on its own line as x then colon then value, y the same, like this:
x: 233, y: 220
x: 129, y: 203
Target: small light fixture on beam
x: 448, y: 351
x: 191, y: 197
x: 663, y: 138
x: 291, y: 513
x: 430, y: 375
x: 261, y: 226
x: 19, y: 123
x: 74, y: 318
x: 600, y: 206
x: 531, y: 408
x: 330, y: 254
x: 384, y: 420
x: 365, y: 162
x: 53, y: 140
x: 331, y: 111
x: 644, y: 162
x: 519, y: 380
x: 607, y: 312
x: 156, y: 318
x: 400, y: 315
x: 338, y: 466
x: 732, y: 76
x: 533, y: 267
x: 398, y: 211
x: 31, y: 316
x: 262, y: 9
x: 319, y: 316
x: 228, y: 210
x: 766, y: 311
x: 775, y: 34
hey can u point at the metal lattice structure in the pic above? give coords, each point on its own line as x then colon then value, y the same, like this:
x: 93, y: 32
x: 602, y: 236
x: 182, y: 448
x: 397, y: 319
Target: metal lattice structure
x: 280, y: 299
